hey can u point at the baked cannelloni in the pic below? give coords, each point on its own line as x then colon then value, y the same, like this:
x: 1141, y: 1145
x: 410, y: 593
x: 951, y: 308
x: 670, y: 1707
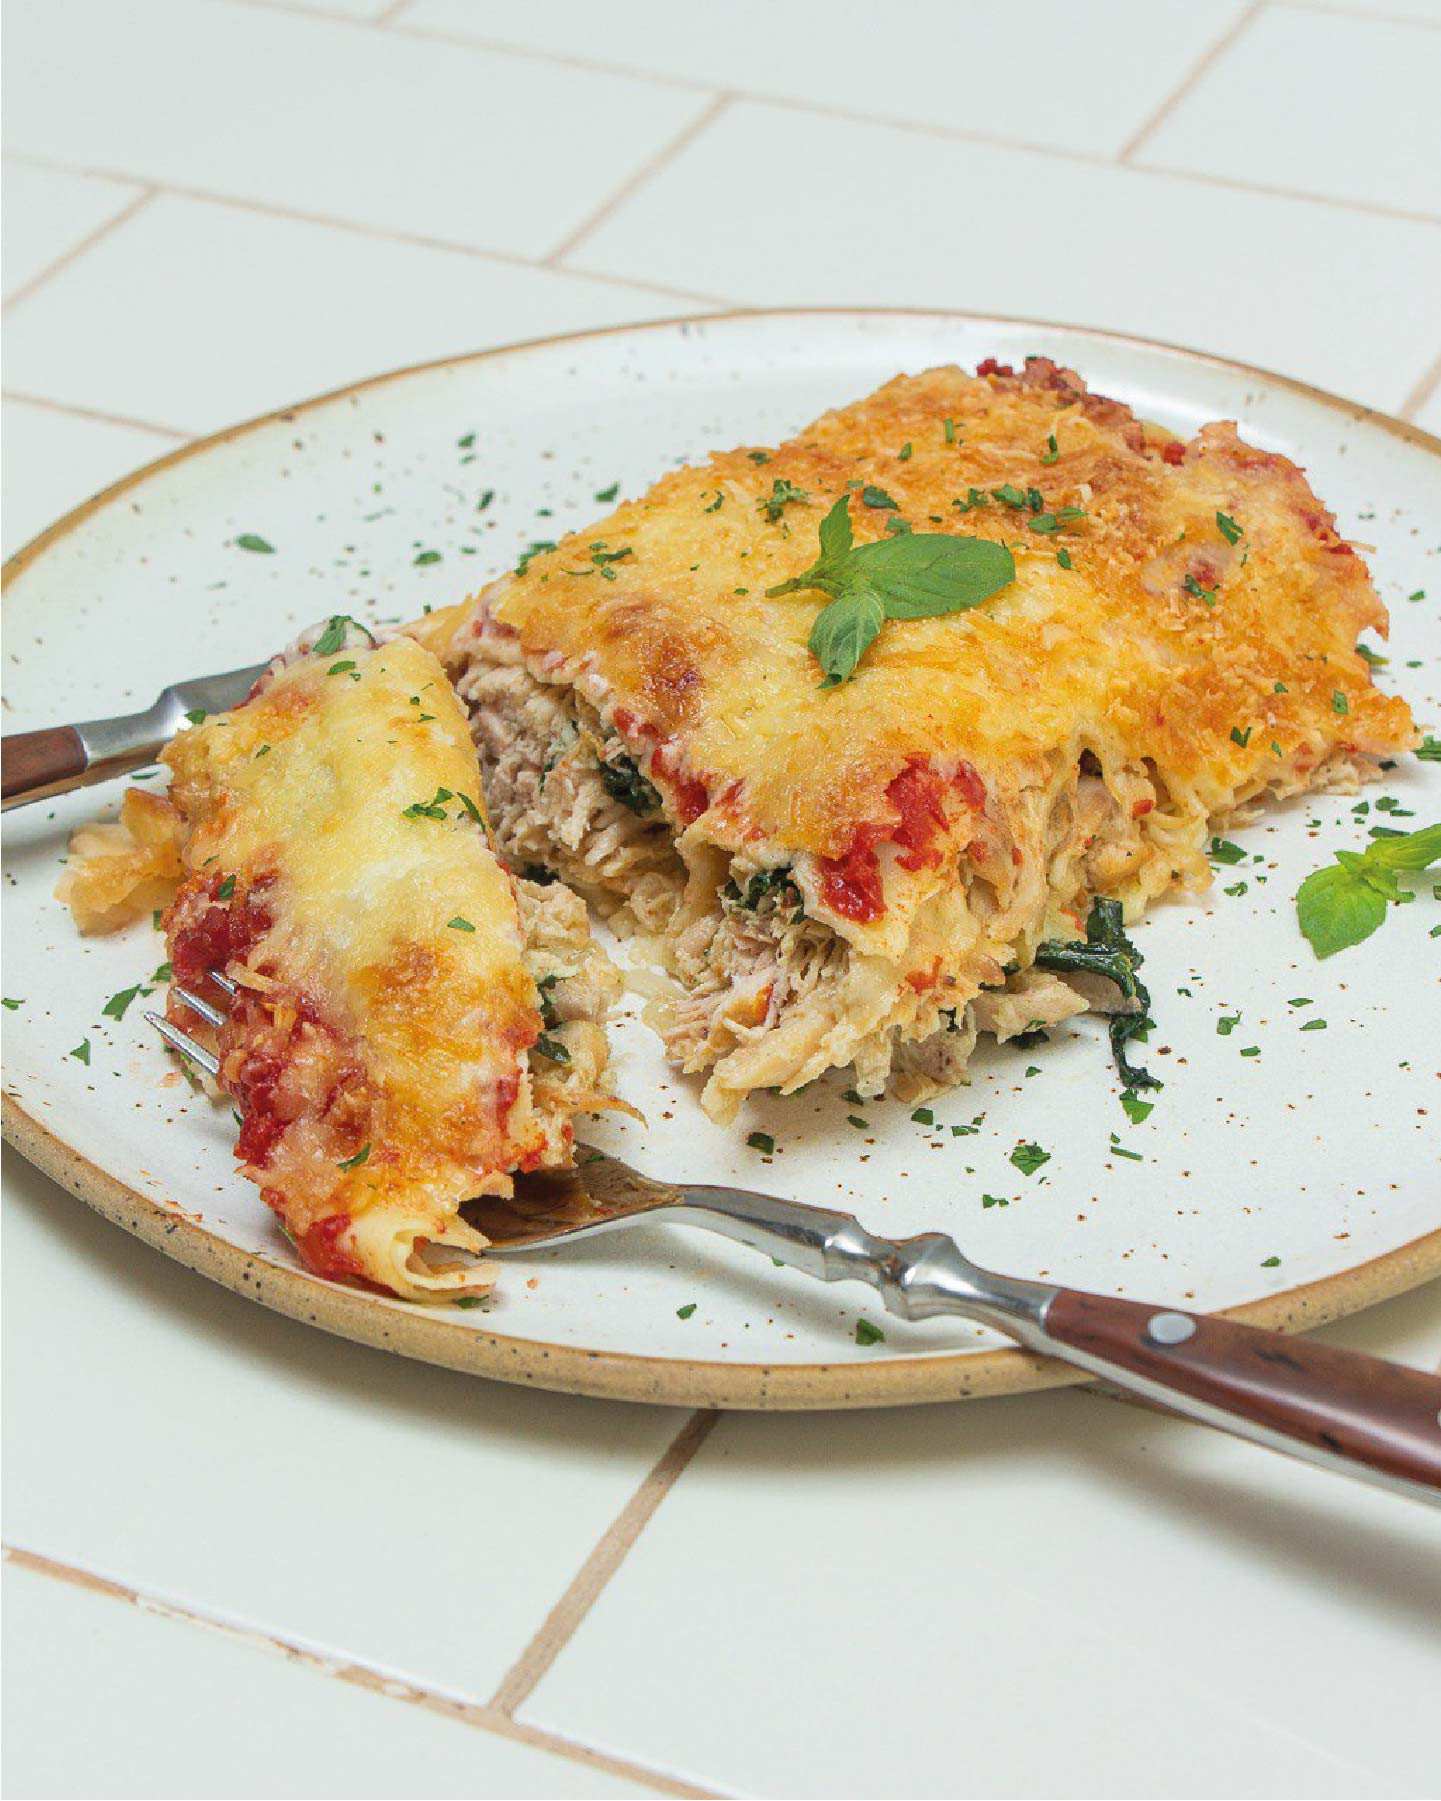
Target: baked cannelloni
x: 866, y: 823
x: 410, y: 1026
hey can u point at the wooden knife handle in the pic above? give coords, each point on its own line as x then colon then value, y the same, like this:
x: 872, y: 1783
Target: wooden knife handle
x: 1335, y: 1404
x: 47, y: 761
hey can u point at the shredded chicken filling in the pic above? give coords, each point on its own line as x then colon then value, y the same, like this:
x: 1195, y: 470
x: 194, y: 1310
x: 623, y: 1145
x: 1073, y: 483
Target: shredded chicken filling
x: 771, y: 996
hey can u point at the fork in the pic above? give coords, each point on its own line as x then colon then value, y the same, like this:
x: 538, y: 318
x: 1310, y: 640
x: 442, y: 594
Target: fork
x: 1342, y: 1410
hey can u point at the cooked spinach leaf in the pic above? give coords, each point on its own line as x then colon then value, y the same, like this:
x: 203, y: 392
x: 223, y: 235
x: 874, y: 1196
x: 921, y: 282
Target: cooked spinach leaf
x: 1107, y: 951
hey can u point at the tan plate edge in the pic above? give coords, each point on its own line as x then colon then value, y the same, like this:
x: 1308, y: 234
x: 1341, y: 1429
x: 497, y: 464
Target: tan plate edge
x: 431, y: 1338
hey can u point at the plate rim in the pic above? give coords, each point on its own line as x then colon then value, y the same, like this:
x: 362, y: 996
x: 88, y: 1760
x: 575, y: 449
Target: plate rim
x: 434, y: 1338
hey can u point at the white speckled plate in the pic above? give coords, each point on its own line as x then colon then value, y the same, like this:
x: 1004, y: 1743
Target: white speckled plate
x: 1286, y: 1173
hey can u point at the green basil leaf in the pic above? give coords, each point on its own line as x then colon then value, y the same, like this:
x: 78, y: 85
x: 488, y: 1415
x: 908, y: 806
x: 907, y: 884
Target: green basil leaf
x: 845, y: 630
x: 1337, y: 908
x: 923, y: 575
x: 1409, y: 850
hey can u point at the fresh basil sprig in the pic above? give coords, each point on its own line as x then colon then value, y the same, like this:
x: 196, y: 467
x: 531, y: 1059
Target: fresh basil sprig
x: 917, y: 575
x: 1340, y: 905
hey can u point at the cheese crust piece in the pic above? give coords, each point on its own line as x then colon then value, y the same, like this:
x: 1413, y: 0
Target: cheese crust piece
x: 386, y: 1044
x: 864, y: 874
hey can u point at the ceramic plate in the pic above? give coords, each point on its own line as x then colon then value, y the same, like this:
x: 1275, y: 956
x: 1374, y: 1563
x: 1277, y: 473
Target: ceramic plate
x: 1287, y: 1172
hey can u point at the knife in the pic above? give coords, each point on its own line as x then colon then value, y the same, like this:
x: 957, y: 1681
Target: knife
x: 61, y: 757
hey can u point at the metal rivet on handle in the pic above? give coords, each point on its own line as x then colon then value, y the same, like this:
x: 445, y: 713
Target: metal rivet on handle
x: 1169, y: 1328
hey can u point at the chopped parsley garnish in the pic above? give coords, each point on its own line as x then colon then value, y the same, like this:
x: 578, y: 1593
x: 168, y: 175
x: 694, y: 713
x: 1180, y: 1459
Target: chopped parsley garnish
x: 623, y: 781
x: 602, y: 559
x: 1339, y: 702
x: 924, y: 1116
x: 459, y: 924
x: 537, y: 547
x: 164, y: 973
x: 866, y: 1333
x: 783, y: 494
x: 762, y: 1142
x: 1240, y: 737
x: 1106, y: 950
x: 471, y: 809
x: 11, y: 1004
x: 872, y: 496
x: 861, y: 1125
x: 903, y: 455
x: 333, y: 637
x: 1373, y: 657
x: 1251, y: 1050
x: 196, y: 716
x: 425, y: 558
x: 1055, y: 522
x: 81, y: 1053
x: 759, y: 456
x: 975, y: 497
x: 1314, y: 1025
x: 950, y: 430
x: 1270, y: 1263
x: 264, y: 751
x: 1223, y: 851
x: 994, y: 1200
x: 552, y: 1048
x: 1053, y: 450
x: 361, y: 1156
x: 1136, y: 1108
x: 486, y: 497
x: 1346, y: 902
x: 1227, y: 1024
x: 253, y: 541
x: 1228, y: 528
x: 468, y: 1301
x: 115, y: 1007
x: 1119, y: 1150
x: 342, y: 668
x: 1236, y: 889
x: 1194, y: 588
x: 226, y: 888
x: 1430, y: 750
x: 1063, y: 557
x: 686, y: 1311
x: 1028, y: 1158
x: 718, y: 502
x: 467, y: 442
x: 917, y: 575
x: 429, y: 809
x: 608, y: 494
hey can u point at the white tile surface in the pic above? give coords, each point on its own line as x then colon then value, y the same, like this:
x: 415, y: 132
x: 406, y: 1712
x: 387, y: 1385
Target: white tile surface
x: 1267, y: 111
x: 921, y: 222
x: 103, y: 1698
x: 950, y: 63
x: 1053, y: 1594
x: 178, y: 1439
x: 223, y: 313
x: 330, y: 118
x: 53, y: 461
x: 369, y: 10
x: 47, y: 214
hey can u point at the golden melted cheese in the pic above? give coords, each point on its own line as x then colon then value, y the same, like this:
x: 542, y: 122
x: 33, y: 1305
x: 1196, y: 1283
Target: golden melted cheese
x: 1244, y: 677
x: 414, y: 1026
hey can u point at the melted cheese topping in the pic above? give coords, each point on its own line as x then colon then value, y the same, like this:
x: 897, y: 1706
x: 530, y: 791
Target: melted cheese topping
x: 383, y: 951
x: 1221, y: 669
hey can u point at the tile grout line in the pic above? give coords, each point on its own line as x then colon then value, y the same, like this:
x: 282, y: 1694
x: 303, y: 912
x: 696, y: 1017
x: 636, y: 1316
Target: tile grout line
x: 637, y: 180
x: 614, y: 1546
x: 478, y: 1716
x: 1428, y: 384
x: 84, y: 412
x: 1189, y: 81
x: 91, y: 238
x: 950, y: 133
x: 384, y: 234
